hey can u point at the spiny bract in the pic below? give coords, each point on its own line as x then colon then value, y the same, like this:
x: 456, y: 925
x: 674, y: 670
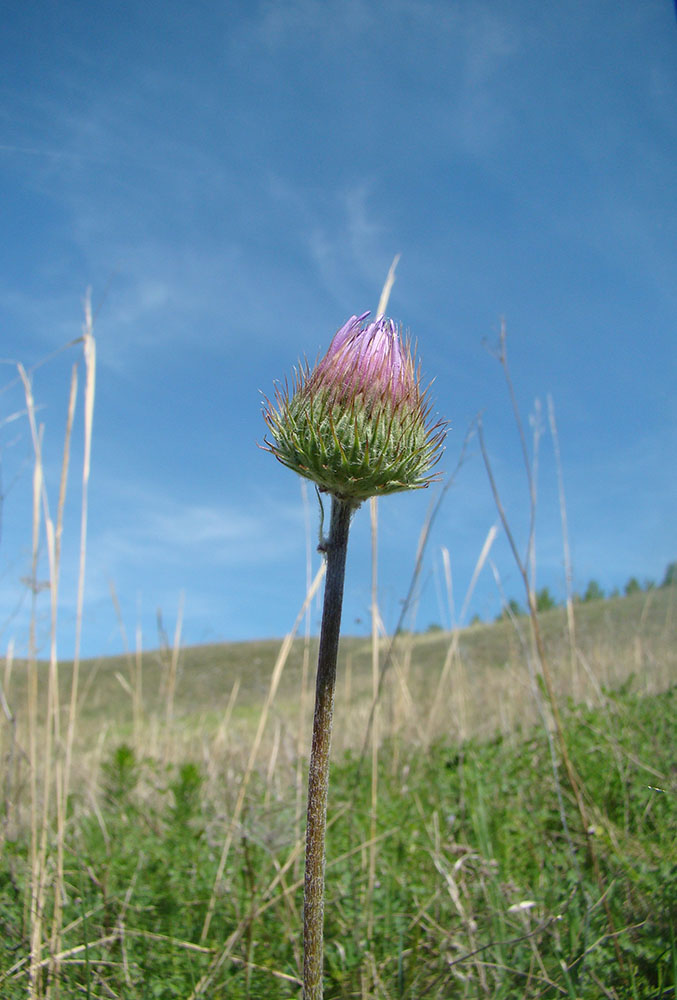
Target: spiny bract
x: 358, y: 423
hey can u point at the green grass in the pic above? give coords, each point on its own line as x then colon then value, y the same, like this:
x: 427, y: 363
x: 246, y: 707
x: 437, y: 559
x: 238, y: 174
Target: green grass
x: 467, y: 834
x: 483, y: 886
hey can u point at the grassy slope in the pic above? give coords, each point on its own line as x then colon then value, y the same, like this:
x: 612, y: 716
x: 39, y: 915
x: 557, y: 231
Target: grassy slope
x: 468, y: 835
x: 615, y: 638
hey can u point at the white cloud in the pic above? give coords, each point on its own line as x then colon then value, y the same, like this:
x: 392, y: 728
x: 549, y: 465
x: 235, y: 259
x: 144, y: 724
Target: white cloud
x: 146, y: 524
x: 282, y: 24
x: 196, y: 525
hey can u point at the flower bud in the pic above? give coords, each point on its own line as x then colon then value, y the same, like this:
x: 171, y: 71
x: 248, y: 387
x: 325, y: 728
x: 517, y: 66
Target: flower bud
x: 358, y: 423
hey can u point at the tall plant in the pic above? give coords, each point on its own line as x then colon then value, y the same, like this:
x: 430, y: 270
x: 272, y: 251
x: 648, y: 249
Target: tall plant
x: 358, y: 425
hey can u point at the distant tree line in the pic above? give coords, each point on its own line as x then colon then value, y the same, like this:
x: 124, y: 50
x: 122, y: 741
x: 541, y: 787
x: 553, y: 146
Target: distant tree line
x: 593, y: 592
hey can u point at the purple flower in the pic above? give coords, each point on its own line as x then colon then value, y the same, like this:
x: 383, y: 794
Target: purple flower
x: 370, y: 361
x: 357, y: 424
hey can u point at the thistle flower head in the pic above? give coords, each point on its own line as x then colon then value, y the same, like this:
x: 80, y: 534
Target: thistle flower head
x: 357, y: 424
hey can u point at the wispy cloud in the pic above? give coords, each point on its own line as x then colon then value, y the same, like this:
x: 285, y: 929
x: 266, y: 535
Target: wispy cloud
x: 146, y: 524
x: 229, y: 534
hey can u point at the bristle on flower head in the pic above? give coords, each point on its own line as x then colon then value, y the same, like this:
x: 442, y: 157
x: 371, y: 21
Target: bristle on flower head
x: 357, y: 424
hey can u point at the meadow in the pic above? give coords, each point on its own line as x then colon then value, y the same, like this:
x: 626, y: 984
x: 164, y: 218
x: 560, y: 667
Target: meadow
x: 502, y: 809
x: 457, y: 866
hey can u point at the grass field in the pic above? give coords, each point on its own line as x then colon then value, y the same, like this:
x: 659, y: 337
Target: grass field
x: 457, y: 868
x: 502, y: 811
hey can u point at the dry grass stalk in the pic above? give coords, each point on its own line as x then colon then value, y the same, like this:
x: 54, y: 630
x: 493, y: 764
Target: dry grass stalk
x: 40, y: 824
x: 305, y: 675
x: 407, y: 717
x: 459, y: 682
x: 137, y: 711
x: 219, y: 744
x: 539, y: 646
x: 387, y: 287
x: 134, y: 684
x: 49, y: 773
x: 263, y: 718
x: 89, y: 354
x: 172, y: 678
x: 568, y: 571
x: 375, y: 673
x: 55, y: 563
x: 409, y: 599
x: 9, y: 754
x: 453, y: 650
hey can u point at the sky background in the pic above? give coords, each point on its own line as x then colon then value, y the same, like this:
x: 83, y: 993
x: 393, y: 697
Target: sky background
x: 232, y: 181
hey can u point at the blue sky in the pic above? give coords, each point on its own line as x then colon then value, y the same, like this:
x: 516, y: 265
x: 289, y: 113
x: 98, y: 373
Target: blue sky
x: 232, y: 181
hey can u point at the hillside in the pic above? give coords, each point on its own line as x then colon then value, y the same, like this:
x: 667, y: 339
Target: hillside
x: 435, y: 684
x: 453, y: 870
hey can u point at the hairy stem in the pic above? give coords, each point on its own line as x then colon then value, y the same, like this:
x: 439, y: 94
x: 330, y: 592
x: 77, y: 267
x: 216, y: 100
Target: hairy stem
x: 335, y: 547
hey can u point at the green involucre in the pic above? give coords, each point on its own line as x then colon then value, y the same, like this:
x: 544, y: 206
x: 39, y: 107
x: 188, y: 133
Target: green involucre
x: 357, y: 448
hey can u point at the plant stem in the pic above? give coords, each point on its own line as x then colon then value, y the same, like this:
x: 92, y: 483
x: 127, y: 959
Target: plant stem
x: 335, y: 547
